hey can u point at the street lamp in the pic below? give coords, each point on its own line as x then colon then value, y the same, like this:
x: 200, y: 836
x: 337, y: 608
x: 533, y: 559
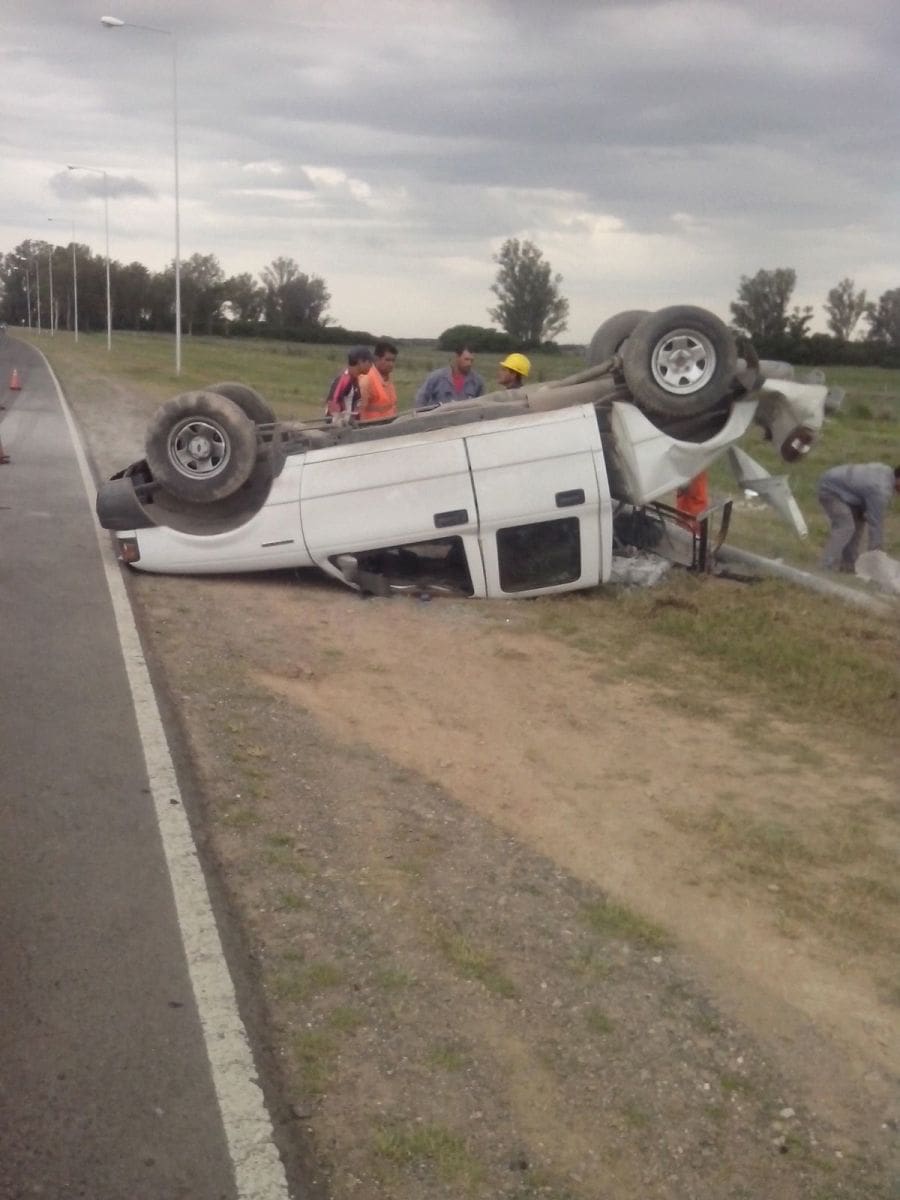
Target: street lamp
x: 115, y: 23
x: 74, y: 273
x: 98, y: 171
x: 37, y: 283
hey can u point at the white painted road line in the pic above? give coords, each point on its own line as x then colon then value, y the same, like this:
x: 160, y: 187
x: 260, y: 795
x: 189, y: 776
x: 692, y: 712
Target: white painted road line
x: 258, y: 1170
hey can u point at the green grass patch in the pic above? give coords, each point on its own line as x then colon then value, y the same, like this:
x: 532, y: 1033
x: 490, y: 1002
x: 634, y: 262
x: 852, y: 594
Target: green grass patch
x: 308, y: 979
x: 735, y: 1085
x: 240, y: 818
x: 634, y: 1116
x: 313, y: 1052
x: 598, y: 1022
x: 447, y: 1056
x: 614, y: 920
x: 280, y: 852
x: 433, y: 1147
x: 800, y: 655
x: 473, y: 962
x: 345, y: 1019
x: 393, y: 979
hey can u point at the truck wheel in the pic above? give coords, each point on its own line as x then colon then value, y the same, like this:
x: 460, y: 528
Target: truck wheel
x: 248, y: 401
x: 611, y: 335
x: 260, y: 412
x: 201, y: 446
x: 679, y: 362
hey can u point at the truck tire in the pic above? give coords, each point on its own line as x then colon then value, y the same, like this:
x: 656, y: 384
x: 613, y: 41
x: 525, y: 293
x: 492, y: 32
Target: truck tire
x: 201, y: 446
x: 612, y: 334
x: 679, y: 362
x: 248, y: 401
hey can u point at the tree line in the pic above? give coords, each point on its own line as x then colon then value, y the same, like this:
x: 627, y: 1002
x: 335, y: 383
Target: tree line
x: 530, y: 309
x: 861, y: 331
x: 282, y: 302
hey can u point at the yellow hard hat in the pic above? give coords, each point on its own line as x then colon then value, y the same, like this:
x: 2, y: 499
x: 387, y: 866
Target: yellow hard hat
x: 518, y: 363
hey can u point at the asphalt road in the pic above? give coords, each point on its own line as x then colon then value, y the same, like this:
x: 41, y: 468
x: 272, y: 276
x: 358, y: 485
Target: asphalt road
x: 106, y: 1088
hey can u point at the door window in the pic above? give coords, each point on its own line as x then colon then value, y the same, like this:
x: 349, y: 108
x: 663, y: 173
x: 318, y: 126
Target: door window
x: 542, y: 554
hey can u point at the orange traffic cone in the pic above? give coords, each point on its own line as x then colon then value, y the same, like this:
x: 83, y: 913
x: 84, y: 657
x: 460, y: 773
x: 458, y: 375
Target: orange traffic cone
x: 14, y: 384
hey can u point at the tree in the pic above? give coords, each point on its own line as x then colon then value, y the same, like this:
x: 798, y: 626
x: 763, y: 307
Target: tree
x: 760, y: 310
x: 201, y: 291
x: 884, y: 320
x: 92, y: 292
x: 17, y: 279
x: 530, y: 307
x: 304, y: 301
x: 244, y: 296
x: 161, y: 300
x: 132, y: 295
x: 798, y: 322
x: 844, y: 308
x: 292, y: 298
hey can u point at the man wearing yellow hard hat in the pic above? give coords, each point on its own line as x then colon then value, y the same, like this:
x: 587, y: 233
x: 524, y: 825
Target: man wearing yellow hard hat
x: 514, y: 370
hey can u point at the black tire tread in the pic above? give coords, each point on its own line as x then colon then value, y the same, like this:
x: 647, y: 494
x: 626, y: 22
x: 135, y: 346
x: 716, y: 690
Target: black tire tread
x: 612, y: 334
x: 248, y: 400
x: 243, y: 448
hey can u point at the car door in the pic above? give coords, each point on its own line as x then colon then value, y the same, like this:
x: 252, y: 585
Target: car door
x: 393, y: 493
x: 545, y: 516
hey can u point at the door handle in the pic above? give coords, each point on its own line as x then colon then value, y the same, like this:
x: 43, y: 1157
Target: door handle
x: 570, y: 499
x: 457, y: 516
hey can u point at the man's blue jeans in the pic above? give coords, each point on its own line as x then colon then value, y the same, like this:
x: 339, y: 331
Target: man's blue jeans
x: 847, y: 525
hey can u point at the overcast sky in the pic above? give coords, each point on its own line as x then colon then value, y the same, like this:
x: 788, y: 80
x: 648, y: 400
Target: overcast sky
x: 655, y: 152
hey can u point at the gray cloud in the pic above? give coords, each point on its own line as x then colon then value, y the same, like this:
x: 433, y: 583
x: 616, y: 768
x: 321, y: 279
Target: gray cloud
x: 655, y: 150
x: 82, y: 183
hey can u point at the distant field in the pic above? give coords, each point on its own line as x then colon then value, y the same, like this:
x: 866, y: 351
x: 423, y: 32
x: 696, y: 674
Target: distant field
x: 294, y: 378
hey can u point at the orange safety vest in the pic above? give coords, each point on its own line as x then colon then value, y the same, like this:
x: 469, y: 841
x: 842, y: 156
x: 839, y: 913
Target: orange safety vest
x: 378, y: 397
x: 693, y: 498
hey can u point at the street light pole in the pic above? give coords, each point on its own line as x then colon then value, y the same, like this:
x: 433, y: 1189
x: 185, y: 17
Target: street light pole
x: 50, y: 262
x: 115, y: 23
x: 75, y: 279
x: 37, y: 281
x: 98, y: 171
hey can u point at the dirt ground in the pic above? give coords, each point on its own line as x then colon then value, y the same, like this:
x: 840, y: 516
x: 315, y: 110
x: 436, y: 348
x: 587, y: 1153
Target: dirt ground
x: 522, y: 925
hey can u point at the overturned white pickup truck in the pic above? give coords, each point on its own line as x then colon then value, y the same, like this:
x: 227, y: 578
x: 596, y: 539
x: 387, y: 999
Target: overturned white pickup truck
x: 510, y: 495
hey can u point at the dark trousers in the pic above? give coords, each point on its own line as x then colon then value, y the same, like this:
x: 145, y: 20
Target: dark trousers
x: 845, y: 536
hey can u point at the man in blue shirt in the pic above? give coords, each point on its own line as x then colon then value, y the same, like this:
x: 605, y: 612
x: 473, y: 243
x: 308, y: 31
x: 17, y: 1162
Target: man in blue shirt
x: 852, y: 497
x: 454, y: 382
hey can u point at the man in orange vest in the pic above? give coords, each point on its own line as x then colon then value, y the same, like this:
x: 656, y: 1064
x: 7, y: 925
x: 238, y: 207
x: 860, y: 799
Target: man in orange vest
x: 378, y: 397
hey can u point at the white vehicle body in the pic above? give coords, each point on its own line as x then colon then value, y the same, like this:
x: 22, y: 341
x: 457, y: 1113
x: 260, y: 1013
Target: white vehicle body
x: 518, y: 489
x: 469, y: 482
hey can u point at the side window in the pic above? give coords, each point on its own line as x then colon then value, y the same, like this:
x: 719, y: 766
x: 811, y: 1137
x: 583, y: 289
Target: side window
x: 543, y: 554
x: 440, y: 564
